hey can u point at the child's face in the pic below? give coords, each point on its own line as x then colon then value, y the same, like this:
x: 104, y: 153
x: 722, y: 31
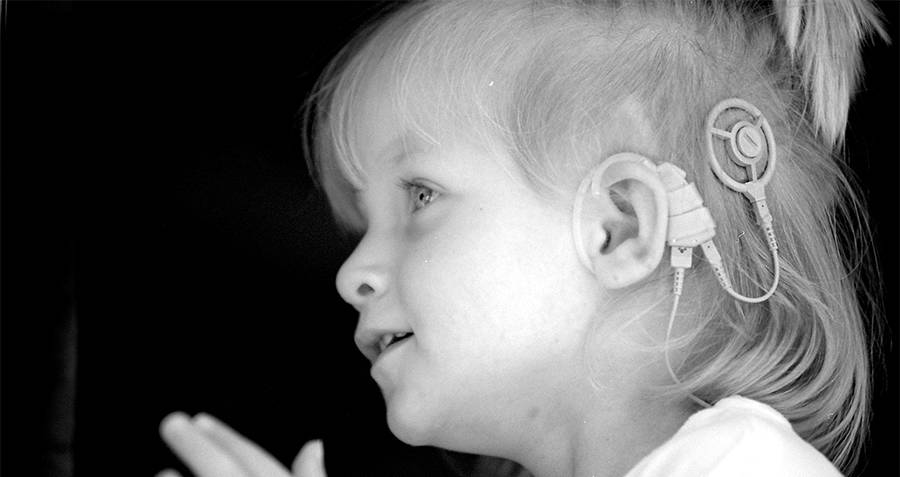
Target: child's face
x: 459, y: 251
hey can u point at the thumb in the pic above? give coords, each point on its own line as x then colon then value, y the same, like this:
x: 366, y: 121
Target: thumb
x: 310, y: 462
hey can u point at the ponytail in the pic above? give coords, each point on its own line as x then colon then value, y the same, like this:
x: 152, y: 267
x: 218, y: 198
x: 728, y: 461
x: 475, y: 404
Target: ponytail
x: 824, y: 38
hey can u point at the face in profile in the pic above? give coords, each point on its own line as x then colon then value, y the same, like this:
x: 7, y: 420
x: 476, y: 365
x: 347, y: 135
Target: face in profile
x: 481, y: 273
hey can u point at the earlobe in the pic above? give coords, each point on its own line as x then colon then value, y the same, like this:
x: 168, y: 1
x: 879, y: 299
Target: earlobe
x: 620, y: 220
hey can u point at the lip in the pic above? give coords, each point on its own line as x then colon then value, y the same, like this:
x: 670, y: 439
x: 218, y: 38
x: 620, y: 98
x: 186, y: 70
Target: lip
x: 391, y: 350
x: 368, y: 334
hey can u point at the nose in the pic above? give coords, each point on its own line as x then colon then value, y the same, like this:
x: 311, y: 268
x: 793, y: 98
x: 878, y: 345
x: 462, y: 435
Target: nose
x: 364, y: 275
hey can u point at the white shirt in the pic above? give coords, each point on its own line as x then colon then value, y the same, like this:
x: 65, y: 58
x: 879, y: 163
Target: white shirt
x: 736, y: 437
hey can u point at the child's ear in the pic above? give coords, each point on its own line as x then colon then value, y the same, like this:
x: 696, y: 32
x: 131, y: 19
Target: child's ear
x: 620, y: 220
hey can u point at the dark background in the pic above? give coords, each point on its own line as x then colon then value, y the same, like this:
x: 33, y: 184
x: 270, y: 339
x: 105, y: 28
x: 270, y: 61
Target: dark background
x: 157, y: 217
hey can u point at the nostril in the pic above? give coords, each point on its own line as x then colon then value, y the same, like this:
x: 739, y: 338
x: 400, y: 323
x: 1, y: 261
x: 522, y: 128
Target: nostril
x: 365, y: 290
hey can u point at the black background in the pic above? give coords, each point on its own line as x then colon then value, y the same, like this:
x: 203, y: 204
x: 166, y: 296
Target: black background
x: 152, y: 175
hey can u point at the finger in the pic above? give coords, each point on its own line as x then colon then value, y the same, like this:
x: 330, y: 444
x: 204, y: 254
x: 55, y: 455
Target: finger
x: 168, y: 473
x: 310, y: 462
x: 199, y: 453
x: 247, y: 454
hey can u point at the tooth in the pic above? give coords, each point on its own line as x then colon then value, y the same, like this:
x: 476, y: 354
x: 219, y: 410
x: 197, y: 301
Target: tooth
x: 387, y: 339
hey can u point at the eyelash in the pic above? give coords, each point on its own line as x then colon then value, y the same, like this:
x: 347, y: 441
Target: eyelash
x: 415, y: 190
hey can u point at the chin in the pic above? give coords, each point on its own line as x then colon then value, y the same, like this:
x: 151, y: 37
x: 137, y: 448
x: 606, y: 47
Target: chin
x: 415, y: 424
x: 410, y: 422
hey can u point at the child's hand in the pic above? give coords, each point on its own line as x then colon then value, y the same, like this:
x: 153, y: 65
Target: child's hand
x: 212, y: 449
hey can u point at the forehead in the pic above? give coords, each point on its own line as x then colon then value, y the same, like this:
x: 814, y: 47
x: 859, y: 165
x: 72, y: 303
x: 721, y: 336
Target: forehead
x: 390, y: 136
x: 391, y: 123
x: 382, y: 133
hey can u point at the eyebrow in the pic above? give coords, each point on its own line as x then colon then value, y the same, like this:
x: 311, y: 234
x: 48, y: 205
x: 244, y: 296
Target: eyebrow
x: 404, y: 147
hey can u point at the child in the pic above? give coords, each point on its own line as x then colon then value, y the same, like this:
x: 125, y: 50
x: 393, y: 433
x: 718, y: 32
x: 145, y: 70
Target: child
x: 529, y: 177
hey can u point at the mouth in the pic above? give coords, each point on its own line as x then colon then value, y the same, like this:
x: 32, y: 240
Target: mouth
x: 392, y: 339
x: 373, y: 341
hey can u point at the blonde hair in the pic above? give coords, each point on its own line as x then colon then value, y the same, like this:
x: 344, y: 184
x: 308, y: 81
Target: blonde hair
x: 542, y: 77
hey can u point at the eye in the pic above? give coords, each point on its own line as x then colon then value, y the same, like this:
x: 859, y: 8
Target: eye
x: 420, y: 195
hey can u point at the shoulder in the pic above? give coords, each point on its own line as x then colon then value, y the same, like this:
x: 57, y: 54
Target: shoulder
x: 736, y: 437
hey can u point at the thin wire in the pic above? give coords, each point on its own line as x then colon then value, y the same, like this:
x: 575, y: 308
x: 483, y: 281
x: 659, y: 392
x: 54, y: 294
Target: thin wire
x: 677, y: 289
x: 768, y: 294
x: 679, y: 281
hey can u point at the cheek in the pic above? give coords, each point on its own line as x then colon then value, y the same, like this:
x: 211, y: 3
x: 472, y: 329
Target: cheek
x: 488, y: 283
x: 450, y: 282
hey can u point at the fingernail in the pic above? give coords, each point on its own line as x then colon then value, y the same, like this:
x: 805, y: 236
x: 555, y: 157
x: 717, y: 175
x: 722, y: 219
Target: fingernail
x: 319, y: 449
x: 173, y: 421
x: 204, y: 421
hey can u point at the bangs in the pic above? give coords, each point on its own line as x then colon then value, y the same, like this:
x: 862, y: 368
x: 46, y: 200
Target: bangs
x: 447, y: 76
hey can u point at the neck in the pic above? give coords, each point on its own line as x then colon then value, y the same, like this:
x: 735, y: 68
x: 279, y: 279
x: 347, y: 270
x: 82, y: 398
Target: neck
x: 605, y: 441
